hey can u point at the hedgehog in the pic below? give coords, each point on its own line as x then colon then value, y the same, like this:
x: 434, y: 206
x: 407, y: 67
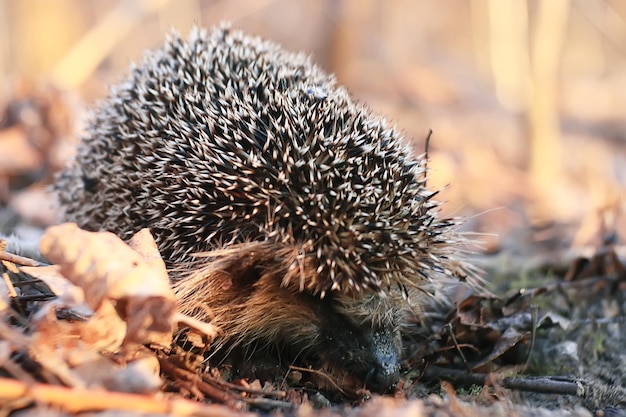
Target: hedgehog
x: 291, y: 216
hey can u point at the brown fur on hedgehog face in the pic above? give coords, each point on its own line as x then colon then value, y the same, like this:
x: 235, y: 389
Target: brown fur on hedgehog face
x: 355, y: 335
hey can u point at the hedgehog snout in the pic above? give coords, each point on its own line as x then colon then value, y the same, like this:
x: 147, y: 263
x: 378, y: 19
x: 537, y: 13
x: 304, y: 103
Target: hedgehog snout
x: 386, y: 366
x: 367, y: 351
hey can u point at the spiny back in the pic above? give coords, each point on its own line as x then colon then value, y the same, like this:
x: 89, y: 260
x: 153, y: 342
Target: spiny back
x: 225, y: 138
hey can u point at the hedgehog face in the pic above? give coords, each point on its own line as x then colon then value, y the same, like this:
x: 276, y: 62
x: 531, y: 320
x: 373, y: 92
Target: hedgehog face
x: 327, y: 333
x: 352, y: 336
x: 369, y: 350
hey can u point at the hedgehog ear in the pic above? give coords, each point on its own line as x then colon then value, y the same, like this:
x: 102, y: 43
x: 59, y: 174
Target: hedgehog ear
x: 234, y: 270
x: 244, y: 262
x: 244, y: 275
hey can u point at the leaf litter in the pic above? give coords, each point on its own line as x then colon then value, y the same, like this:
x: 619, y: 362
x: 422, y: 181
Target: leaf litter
x: 99, y: 330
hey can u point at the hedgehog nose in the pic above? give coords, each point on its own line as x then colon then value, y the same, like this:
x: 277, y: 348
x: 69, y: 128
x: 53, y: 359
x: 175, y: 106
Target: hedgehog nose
x: 384, y: 374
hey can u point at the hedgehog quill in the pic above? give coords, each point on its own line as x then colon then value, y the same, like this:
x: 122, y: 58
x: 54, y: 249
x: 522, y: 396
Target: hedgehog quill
x: 323, y: 238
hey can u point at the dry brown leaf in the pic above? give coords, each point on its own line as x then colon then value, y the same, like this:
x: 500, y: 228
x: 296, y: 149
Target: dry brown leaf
x: 67, y: 246
x: 60, y: 286
x: 150, y: 320
x: 143, y: 243
x: 102, y: 264
x: 106, y: 268
x: 104, y: 331
x: 114, y: 302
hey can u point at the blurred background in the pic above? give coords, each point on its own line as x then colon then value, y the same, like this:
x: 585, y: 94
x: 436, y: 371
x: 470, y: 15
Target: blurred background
x: 525, y: 99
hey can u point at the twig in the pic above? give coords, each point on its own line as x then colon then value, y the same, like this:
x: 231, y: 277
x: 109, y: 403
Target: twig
x: 268, y: 403
x: 533, y: 334
x: 544, y: 384
x: 321, y: 374
x: 218, y: 390
x: 456, y: 345
x: 179, y: 374
x: 229, y: 385
x: 76, y: 400
x: 19, y: 260
x: 561, y: 286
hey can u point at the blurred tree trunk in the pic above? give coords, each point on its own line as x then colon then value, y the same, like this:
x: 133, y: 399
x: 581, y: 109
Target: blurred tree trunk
x: 545, y: 164
x: 82, y: 59
x: 40, y: 33
x: 508, y: 28
x: 526, y: 78
x: 346, y: 40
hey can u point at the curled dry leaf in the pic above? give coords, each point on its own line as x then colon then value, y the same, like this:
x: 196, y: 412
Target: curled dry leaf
x: 143, y: 243
x: 108, y: 269
x: 102, y: 264
x: 104, y: 331
x: 66, y: 292
x: 120, y: 301
x: 150, y: 320
x: 505, y: 343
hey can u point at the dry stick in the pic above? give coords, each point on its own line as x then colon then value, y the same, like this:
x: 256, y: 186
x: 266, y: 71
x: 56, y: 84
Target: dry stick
x: 321, y: 374
x: 9, y: 285
x: 19, y: 260
x: 544, y: 385
x: 220, y: 383
x: 567, y: 285
x: 456, y: 345
x: 75, y: 400
x: 268, y: 403
x: 533, y: 334
x: 216, y: 394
